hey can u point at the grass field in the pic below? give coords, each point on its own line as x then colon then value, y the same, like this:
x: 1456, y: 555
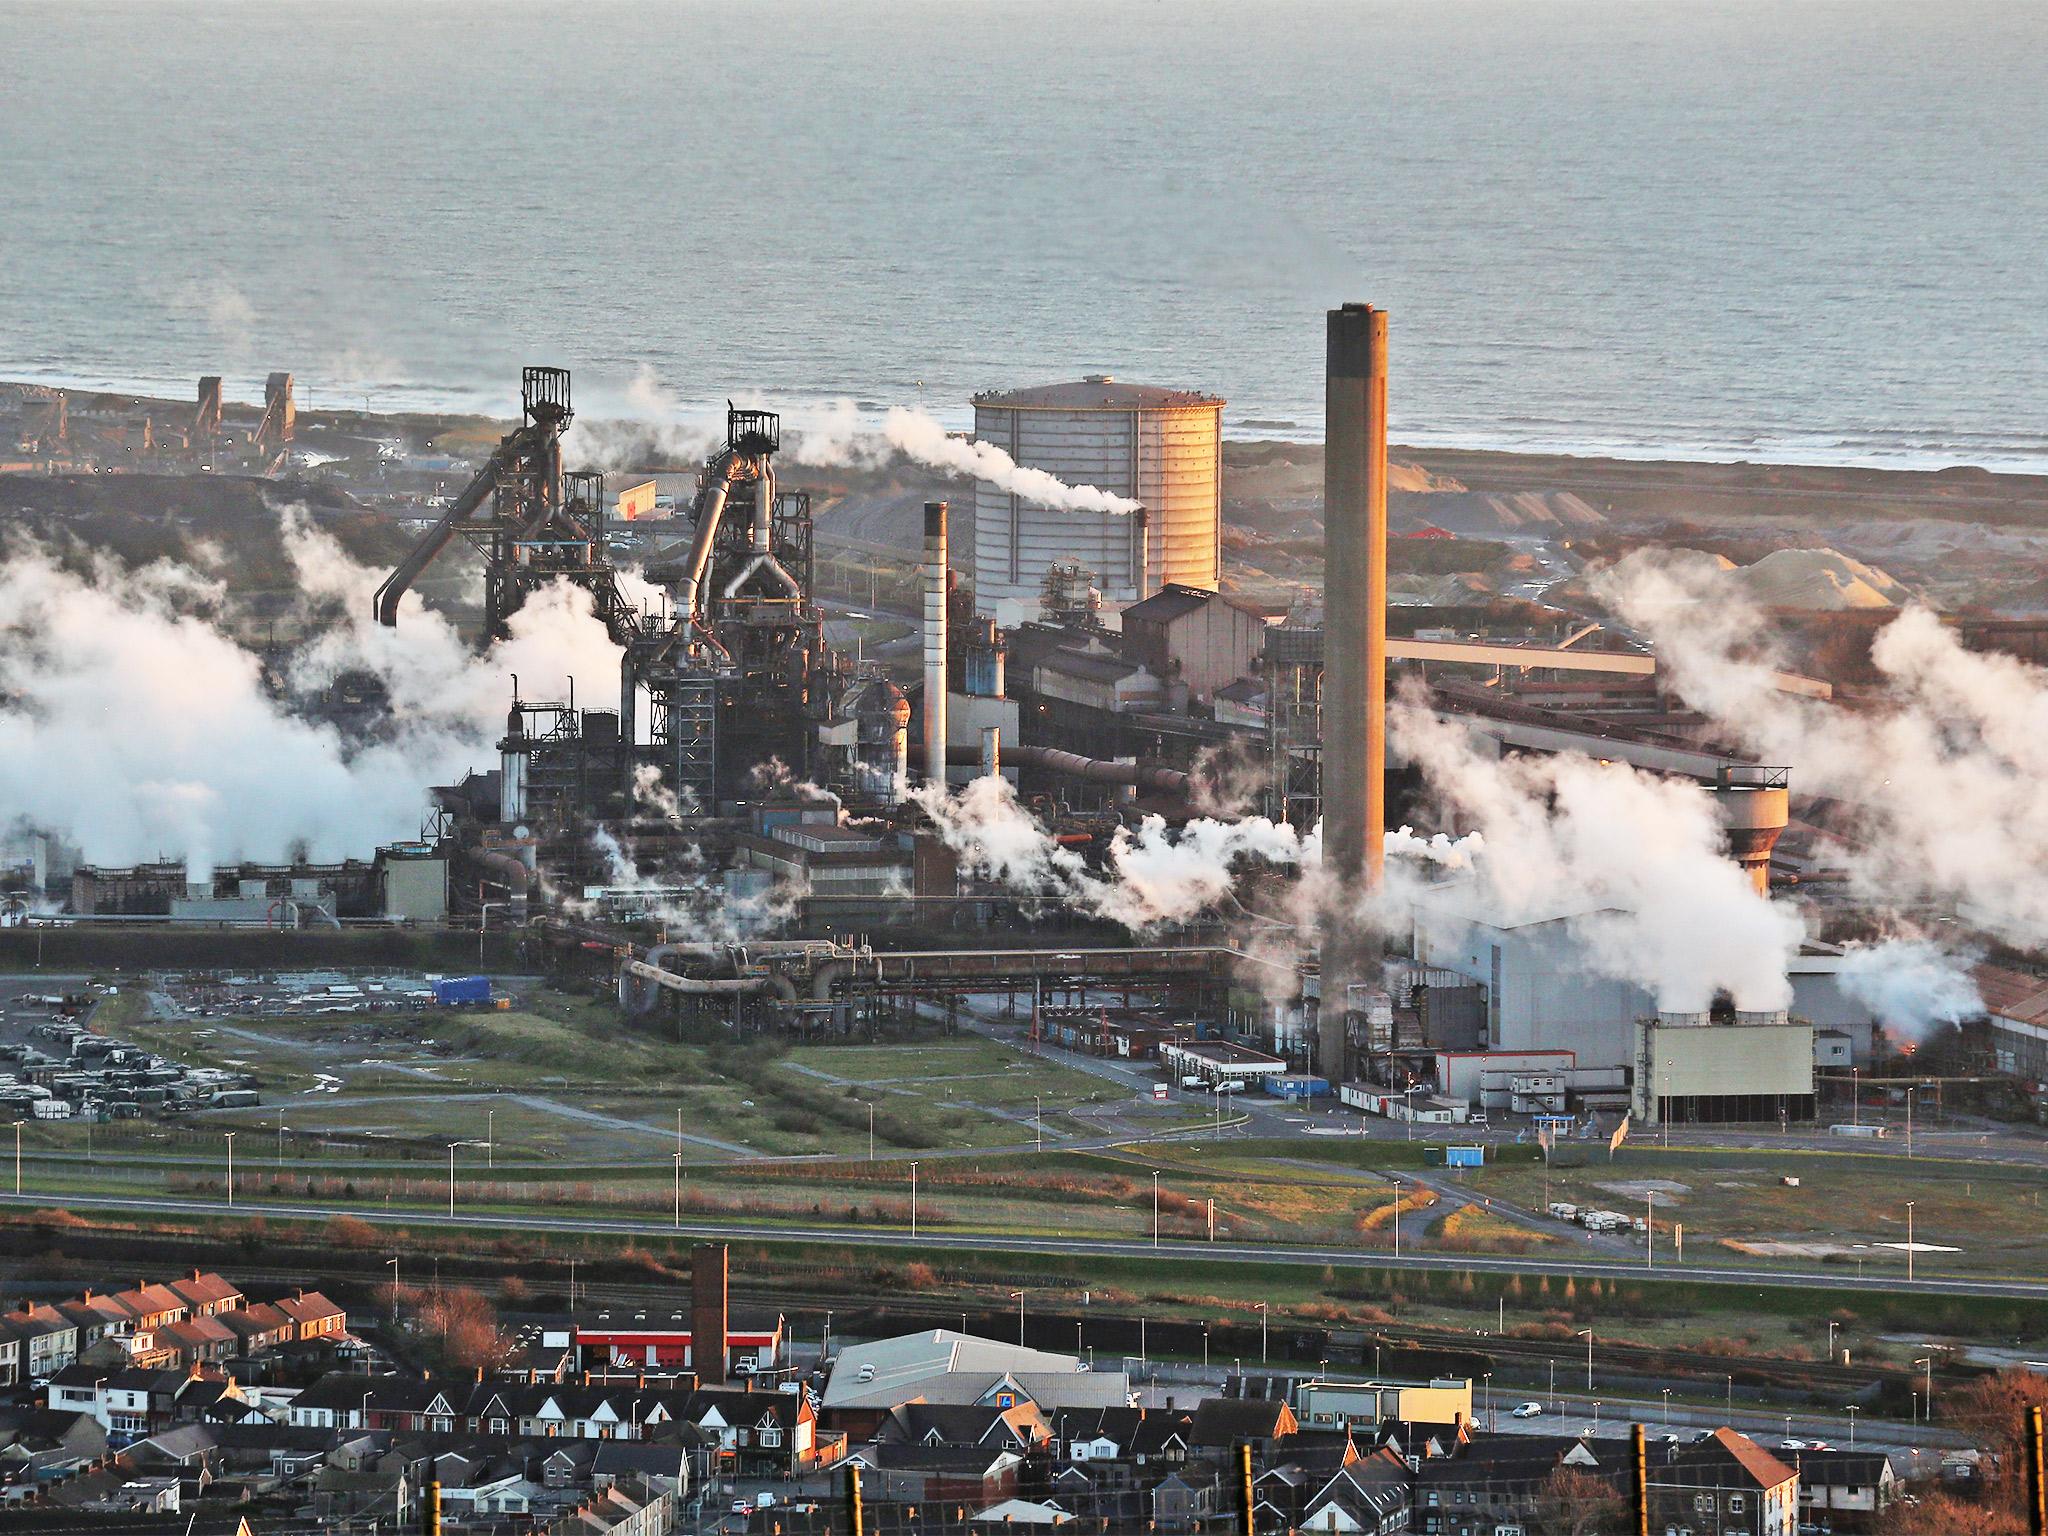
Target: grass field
x: 1993, y: 1216
x: 590, y: 1087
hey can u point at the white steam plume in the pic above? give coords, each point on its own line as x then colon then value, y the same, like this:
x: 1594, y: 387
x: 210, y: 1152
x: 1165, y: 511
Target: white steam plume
x: 134, y: 724
x: 693, y: 906
x: 1943, y: 777
x: 1635, y: 861
x: 1154, y: 876
x: 837, y: 434
x: 1912, y: 985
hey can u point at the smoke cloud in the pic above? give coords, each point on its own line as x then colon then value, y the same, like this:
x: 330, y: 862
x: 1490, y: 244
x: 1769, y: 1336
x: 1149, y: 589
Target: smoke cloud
x: 657, y: 425
x: 134, y: 723
x: 1635, y: 862
x: 1153, y: 876
x: 694, y: 906
x: 1912, y: 985
x: 1943, y: 776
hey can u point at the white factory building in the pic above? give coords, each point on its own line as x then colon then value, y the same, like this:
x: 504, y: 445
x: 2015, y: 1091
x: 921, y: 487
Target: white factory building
x: 1548, y: 1010
x: 1162, y: 448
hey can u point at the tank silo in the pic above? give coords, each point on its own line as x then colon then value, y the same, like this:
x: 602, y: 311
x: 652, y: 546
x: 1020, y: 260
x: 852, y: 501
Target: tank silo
x: 1161, y: 448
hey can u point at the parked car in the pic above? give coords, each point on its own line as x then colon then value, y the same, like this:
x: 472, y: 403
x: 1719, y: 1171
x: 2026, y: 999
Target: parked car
x: 1528, y: 1410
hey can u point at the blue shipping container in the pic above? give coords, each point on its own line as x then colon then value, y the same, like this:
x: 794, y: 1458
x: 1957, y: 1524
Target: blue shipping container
x: 457, y: 990
x: 1294, y: 1085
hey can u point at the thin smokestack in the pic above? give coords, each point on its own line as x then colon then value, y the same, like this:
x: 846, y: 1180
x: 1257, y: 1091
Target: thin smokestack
x: 1354, y: 653
x: 935, y: 641
x: 708, y: 1330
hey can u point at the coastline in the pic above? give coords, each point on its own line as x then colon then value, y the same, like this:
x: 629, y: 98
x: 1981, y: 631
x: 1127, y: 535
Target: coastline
x: 1810, y: 452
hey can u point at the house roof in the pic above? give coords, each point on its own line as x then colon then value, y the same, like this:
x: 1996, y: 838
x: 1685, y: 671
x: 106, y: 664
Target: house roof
x: 1843, y: 1469
x: 942, y: 1366
x: 146, y: 1299
x: 305, y: 1306
x: 1224, y: 1420
x: 203, y: 1288
x: 1722, y: 1457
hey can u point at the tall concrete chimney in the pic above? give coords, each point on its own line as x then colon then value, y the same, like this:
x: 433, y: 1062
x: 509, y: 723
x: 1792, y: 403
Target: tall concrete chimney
x: 1354, y: 657
x: 935, y: 641
x: 707, y: 1313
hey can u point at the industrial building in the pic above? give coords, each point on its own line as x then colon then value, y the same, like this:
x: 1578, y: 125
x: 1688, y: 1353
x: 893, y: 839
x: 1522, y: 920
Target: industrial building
x: 748, y: 773
x: 1160, y: 448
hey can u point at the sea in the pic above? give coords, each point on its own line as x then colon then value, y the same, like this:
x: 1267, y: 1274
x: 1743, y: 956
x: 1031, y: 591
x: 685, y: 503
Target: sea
x: 1808, y: 231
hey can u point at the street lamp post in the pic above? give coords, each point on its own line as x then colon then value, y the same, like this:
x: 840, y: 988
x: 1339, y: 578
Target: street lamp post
x: 1018, y: 1297
x: 871, y: 1132
x: 1852, y: 1426
x: 1155, y: 1207
x: 1553, y: 1386
x: 1397, y: 1221
x: 1909, y: 1226
x: 1667, y: 1406
x: 231, y: 1167
x: 913, y: 1199
x: 1832, y: 1326
x: 392, y: 1264
x: 17, y: 1154
x: 679, y: 1191
x: 1486, y: 1390
x: 1038, y: 1119
x: 1262, y: 1333
x: 491, y: 1138
x: 451, y: 1171
x: 1587, y: 1335
x: 1205, y: 1346
x: 1909, y: 1122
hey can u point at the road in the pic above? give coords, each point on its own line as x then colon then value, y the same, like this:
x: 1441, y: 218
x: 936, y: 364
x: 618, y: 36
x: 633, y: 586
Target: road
x: 987, y: 1242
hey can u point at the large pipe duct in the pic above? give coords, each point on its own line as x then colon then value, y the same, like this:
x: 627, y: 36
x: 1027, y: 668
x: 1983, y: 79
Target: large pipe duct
x: 1354, y: 655
x: 1069, y: 765
x: 935, y: 641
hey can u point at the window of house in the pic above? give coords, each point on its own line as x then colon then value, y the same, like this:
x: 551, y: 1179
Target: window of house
x: 771, y: 1438
x: 1734, y: 1503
